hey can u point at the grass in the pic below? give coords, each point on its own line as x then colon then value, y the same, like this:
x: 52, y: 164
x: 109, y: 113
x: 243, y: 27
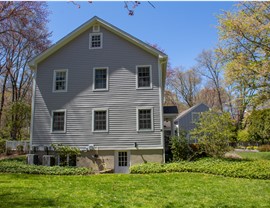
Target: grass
x: 255, y: 155
x: 115, y: 190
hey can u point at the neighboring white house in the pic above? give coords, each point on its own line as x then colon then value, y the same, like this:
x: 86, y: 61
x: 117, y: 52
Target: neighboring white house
x: 101, y: 90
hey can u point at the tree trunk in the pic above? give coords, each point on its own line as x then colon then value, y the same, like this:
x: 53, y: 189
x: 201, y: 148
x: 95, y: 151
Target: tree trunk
x: 3, y: 97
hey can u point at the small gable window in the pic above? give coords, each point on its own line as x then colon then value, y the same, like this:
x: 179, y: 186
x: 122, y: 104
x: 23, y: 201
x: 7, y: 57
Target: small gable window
x: 144, y: 77
x: 96, y: 40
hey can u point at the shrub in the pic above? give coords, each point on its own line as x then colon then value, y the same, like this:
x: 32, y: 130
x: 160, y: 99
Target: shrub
x: 180, y: 147
x: 264, y: 148
x: 243, y: 136
x: 8, y: 151
x: 19, y: 149
x: 19, y: 165
x: 253, y: 169
x: 2, y: 146
x: 67, y: 154
x: 214, y: 131
x: 258, y: 125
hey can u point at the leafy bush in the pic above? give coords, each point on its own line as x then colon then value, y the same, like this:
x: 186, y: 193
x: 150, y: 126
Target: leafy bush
x: 243, y: 136
x: 264, y: 148
x: 180, y: 147
x: 258, y: 125
x: 214, y: 131
x: 253, y: 169
x: 20, y: 149
x: 2, y: 146
x: 20, y: 166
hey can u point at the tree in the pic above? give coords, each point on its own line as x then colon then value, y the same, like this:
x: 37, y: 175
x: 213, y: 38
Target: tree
x: 245, y: 41
x: 214, y: 131
x: 185, y: 84
x: 23, y: 35
x: 258, y: 125
x: 209, y: 65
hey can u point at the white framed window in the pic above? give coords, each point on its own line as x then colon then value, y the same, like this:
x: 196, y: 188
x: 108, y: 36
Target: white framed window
x: 100, y: 120
x: 144, y: 77
x: 195, y: 116
x: 60, y: 80
x: 95, y: 40
x: 100, y: 78
x: 145, y: 119
x: 58, y: 121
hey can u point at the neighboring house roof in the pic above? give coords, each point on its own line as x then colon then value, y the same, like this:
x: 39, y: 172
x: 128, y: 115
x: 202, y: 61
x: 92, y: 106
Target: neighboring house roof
x: 96, y: 20
x: 182, y: 115
x: 170, y: 110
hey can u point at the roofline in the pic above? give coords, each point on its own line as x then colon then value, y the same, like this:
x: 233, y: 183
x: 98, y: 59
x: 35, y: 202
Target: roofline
x: 188, y: 110
x: 75, y: 33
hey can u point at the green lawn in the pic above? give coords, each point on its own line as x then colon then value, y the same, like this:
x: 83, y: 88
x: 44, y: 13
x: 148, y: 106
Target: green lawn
x: 153, y: 190
x: 255, y: 155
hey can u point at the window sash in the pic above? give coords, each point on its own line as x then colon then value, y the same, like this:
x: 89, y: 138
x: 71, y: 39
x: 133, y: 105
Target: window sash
x: 101, y: 78
x: 100, y: 120
x: 145, y: 119
x: 122, y: 159
x: 60, y: 80
x: 95, y: 41
x: 144, y: 76
x: 58, y: 121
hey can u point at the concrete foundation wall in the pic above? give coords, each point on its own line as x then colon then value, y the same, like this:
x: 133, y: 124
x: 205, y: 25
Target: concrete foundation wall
x: 105, y: 159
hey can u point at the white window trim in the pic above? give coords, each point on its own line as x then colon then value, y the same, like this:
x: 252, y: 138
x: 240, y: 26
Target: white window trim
x: 65, y: 120
x: 141, y: 88
x: 90, y: 40
x: 107, y: 119
x: 152, y: 118
x: 107, y: 78
x: 192, y: 118
x: 54, y: 79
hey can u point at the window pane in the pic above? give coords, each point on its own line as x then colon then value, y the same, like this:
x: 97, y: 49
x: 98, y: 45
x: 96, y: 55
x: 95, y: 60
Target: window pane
x: 101, y: 79
x: 60, y: 80
x: 100, y: 120
x: 58, y: 121
x: 95, y: 41
x: 144, y: 77
x: 122, y: 159
x: 145, y: 119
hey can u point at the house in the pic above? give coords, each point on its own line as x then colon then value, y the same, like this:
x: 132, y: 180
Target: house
x: 187, y: 119
x: 101, y: 90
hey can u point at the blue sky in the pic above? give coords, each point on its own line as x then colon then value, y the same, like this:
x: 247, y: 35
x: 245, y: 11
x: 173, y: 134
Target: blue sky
x: 182, y: 29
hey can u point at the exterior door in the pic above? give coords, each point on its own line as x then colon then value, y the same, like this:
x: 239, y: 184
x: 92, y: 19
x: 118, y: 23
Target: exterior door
x: 122, y: 161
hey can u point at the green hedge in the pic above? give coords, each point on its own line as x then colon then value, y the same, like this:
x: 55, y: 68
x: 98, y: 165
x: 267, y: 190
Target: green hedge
x: 257, y: 169
x: 19, y: 165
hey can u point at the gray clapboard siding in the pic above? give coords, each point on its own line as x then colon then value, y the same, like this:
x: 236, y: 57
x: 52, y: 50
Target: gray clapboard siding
x: 184, y: 121
x: 122, y: 98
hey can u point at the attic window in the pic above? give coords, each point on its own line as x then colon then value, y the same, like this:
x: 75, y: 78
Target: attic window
x: 95, y: 41
x: 96, y: 28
